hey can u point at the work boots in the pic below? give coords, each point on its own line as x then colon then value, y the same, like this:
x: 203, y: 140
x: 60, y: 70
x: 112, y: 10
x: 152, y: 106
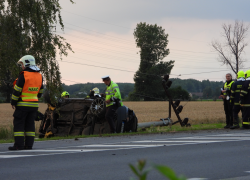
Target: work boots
x: 227, y: 126
x: 15, y: 148
x: 236, y: 126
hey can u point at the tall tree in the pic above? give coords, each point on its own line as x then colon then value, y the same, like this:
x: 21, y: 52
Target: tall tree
x: 29, y: 27
x: 230, y: 51
x: 152, y: 41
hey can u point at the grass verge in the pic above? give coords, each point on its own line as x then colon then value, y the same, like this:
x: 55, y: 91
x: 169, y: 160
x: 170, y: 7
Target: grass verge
x: 151, y: 130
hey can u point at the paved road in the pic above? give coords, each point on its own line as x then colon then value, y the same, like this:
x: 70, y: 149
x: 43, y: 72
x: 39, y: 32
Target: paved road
x: 216, y: 154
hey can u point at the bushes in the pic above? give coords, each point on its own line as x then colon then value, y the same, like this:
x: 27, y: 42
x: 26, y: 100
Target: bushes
x: 164, y: 170
x: 6, y: 133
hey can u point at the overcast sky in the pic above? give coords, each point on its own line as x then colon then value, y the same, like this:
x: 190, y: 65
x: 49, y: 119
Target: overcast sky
x: 101, y: 35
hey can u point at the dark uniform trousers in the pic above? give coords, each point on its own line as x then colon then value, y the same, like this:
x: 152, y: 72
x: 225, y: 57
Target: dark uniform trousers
x: 246, y: 117
x: 24, y: 126
x: 236, y: 110
x: 110, y: 112
x: 228, y: 108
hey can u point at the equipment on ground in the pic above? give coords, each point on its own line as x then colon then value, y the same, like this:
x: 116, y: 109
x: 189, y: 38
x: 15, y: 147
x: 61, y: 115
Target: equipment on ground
x: 79, y: 116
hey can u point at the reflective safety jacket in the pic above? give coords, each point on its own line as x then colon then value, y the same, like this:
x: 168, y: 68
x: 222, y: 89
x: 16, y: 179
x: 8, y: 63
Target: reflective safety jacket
x: 113, y: 91
x: 245, y: 94
x: 235, y: 92
x: 228, y: 86
x: 28, y: 88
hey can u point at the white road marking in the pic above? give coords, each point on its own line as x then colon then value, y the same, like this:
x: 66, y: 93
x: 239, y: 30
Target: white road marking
x: 147, y: 141
x: 129, y: 145
x: 197, y: 179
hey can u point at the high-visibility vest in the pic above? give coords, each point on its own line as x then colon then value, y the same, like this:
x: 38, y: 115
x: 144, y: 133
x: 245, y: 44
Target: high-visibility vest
x: 227, y: 87
x: 111, y: 91
x: 32, y: 85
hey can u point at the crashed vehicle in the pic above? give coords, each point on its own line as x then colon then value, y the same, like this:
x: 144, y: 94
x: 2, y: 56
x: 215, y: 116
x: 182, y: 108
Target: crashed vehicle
x: 83, y: 116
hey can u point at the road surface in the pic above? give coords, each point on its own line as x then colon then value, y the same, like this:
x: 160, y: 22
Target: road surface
x: 217, y: 154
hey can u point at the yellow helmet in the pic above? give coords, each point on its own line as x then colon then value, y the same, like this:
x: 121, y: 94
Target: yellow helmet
x: 247, y: 73
x: 241, y: 74
x: 96, y: 90
x: 65, y: 93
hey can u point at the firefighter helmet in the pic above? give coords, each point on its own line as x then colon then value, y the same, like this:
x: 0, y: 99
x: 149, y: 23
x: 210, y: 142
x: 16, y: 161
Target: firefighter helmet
x: 96, y: 90
x: 65, y: 93
x: 241, y: 74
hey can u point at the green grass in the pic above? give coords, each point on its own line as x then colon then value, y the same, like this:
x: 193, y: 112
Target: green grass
x: 5, y: 136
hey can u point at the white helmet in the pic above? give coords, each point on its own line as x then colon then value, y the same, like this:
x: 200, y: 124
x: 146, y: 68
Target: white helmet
x: 96, y: 90
x: 28, y: 61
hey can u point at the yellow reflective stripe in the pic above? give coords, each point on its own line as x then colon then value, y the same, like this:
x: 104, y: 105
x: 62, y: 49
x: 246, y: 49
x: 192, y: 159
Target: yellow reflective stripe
x: 237, y: 91
x: 246, y: 123
x: 245, y: 92
x: 115, y: 87
x: 18, y: 133
x: 236, y: 103
x: 19, y: 89
x: 30, y: 133
x: 108, y: 90
x: 232, y: 91
x: 246, y: 105
x: 29, y: 94
x: 15, y: 97
x: 24, y: 98
x: 28, y: 104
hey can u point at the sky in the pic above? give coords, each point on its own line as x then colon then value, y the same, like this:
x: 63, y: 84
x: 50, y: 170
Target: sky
x: 101, y: 35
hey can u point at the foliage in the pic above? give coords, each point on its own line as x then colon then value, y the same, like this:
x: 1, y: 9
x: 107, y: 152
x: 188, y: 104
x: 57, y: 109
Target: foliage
x: 152, y: 41
x: 231, y: 50
x: 179, y: 93
x: 28, y: 27
x: 164, y: 170
x: 210, y: 89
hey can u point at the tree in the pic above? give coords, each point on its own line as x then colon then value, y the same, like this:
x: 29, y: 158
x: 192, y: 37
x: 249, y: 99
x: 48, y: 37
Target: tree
x: 28, y: 27
x: 179, y: 93
x: 152, y: 41
x: 207, y: 92
x: 231, y: 50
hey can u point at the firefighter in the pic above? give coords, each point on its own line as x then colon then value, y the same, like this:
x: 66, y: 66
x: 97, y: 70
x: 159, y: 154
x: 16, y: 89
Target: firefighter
x: 235, y: 97
x: 27, y: 90
x: 94, y: 93
x: 113, y: 101
x: 225, y: 94
x: 65, y: 95
x: 245, y: 102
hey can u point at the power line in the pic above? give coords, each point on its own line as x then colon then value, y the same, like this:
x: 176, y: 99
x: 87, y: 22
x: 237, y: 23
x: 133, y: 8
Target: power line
x: 131, y: 41
x: 124, y: 26
x: 123, y: 70
x: 193, y: 57
x: 96, y: 20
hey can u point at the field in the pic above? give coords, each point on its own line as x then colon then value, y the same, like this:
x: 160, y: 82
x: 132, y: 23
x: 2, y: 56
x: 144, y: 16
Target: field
x: 198, y: 112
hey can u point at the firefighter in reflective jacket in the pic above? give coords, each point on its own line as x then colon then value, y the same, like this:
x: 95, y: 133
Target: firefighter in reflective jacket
x: 27, y: 90
x: 245, y: 102
x: 225, y: 94
x: 235, y: 96
x: 113, y: 101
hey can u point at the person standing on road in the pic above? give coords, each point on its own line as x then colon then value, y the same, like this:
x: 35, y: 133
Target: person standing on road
x: 245, y: 102
x: 27, y: 90
x: 235, y: 97
x: 113, y: 101
x: 225, y: 94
